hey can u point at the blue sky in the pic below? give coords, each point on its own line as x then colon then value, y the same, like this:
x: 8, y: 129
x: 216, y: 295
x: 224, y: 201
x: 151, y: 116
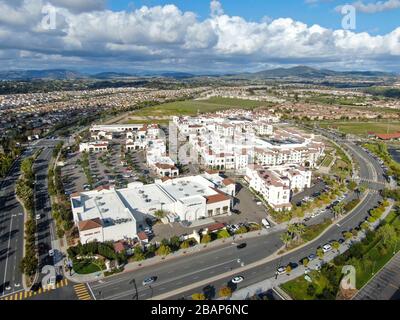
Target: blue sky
x: 187, y: 35
x: 322, y: 12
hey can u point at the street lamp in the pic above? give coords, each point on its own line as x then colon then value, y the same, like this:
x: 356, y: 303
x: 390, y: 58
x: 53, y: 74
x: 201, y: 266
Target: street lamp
x: 133, y: 281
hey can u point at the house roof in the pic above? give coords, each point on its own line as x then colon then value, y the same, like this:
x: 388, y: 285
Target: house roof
x: 216, y: 198
x: 228, y: 182
x: 215, y: 227
x: 142, y: 236
x: 388, y: 136
x: 119, y: 247
x: 89, y: 224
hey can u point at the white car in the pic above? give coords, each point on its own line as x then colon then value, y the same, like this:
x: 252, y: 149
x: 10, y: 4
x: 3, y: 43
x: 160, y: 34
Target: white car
x: 51, y: 252
x: 318, y: 266
x: 265, y: 223
x: 326, y: 248
x: 237, y: 279
x: 281, y: 270
x: 38, y: 216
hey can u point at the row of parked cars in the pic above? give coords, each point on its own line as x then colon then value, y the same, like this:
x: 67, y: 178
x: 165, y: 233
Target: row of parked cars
x: 325, y: 248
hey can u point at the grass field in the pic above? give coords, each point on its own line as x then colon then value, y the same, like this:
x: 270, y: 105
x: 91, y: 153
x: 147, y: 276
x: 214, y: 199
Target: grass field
x: 362, y: 128
x: 191, y: 107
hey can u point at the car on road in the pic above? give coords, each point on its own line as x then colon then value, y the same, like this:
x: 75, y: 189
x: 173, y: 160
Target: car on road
x: 326, y: 248
x: 237, y: 279
x: 281, y: 270
x: 51, y: 252
x: 311, y: 257
x: 148, y: 281
x: 241, y: 246
x: 38, y: 216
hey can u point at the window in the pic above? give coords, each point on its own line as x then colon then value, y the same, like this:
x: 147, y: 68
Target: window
x: 225, y: 209
x: 210, y: 213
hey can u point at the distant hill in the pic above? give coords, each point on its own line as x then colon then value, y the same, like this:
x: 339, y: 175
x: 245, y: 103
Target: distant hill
x: 311, y: 73
x: 302, y: 72
x: 111, y: 75
x: 54, y: 74
x: 177, y: 75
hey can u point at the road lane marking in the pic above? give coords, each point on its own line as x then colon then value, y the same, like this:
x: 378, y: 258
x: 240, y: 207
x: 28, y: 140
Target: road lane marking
x: 8, y: 252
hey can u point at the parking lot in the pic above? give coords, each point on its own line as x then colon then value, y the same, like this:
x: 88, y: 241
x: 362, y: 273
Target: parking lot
x: 105, y: 169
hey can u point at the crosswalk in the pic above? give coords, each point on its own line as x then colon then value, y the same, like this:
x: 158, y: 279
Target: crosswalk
x: 22, y: 295
x: 82, y: 292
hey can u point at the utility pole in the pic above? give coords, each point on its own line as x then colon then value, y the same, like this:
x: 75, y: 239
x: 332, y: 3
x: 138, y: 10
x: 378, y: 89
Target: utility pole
x: 136, y: 295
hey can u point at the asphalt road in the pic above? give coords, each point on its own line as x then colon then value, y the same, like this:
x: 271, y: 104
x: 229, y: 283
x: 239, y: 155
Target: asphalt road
x: 45, y: 227
x: 184, y: 271
x: 11, y: 231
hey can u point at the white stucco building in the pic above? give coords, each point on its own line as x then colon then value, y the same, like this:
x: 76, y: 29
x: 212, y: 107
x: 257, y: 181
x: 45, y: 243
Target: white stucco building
x: 110, y: 214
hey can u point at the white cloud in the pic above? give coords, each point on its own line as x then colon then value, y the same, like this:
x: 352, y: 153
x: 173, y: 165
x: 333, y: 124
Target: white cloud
x: 216, y: 8
x: 164, y: 35
x: 374, y: 7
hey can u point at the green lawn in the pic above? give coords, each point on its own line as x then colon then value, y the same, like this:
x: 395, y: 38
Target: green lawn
x: 87, y: 266
x: 362, y: 128
x: 191, y: 107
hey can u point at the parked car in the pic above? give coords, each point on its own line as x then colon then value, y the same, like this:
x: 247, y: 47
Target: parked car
x: 326, y: 248
x: 237, y: 279
x: 311, y: 257
x: 281, y: 270
x: 51, y: 252
x: 38, y: 216
x: 265, y: 223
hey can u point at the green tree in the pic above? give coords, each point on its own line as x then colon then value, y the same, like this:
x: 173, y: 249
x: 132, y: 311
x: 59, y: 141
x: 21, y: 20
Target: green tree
x: 163, y: 250
x: 225, y: 292
x: 206, y: 238
x: 185, y: 245
x: 320, y: 253
x: 305, y: 262
x: 138, y: 254
x: 352, y: 185
x: 288, y: 269
x: 198, y: 296
x: 336, y: 245
x: 348, y: 235
x: 286, y: 238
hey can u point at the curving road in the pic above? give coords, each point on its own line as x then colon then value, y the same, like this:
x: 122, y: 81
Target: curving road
x: 178, y: 273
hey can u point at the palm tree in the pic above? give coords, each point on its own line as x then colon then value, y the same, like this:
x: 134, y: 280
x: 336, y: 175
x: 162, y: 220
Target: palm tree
x: 336, y: 245
x: 288, y: 269
x: 320, y: 253
x: 286, y: 238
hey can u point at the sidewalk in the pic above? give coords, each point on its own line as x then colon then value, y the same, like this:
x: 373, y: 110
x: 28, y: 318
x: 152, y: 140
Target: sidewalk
x: 270, y: 283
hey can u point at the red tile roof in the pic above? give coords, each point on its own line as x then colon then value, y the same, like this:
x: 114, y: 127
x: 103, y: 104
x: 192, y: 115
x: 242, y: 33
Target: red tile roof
x: 89, y: 224
x: 142, y: 236
x: 215, y: 227
x: 228, y: 182
x: 216, y: 198
x: 119, y: 247
x: 388, y: 136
